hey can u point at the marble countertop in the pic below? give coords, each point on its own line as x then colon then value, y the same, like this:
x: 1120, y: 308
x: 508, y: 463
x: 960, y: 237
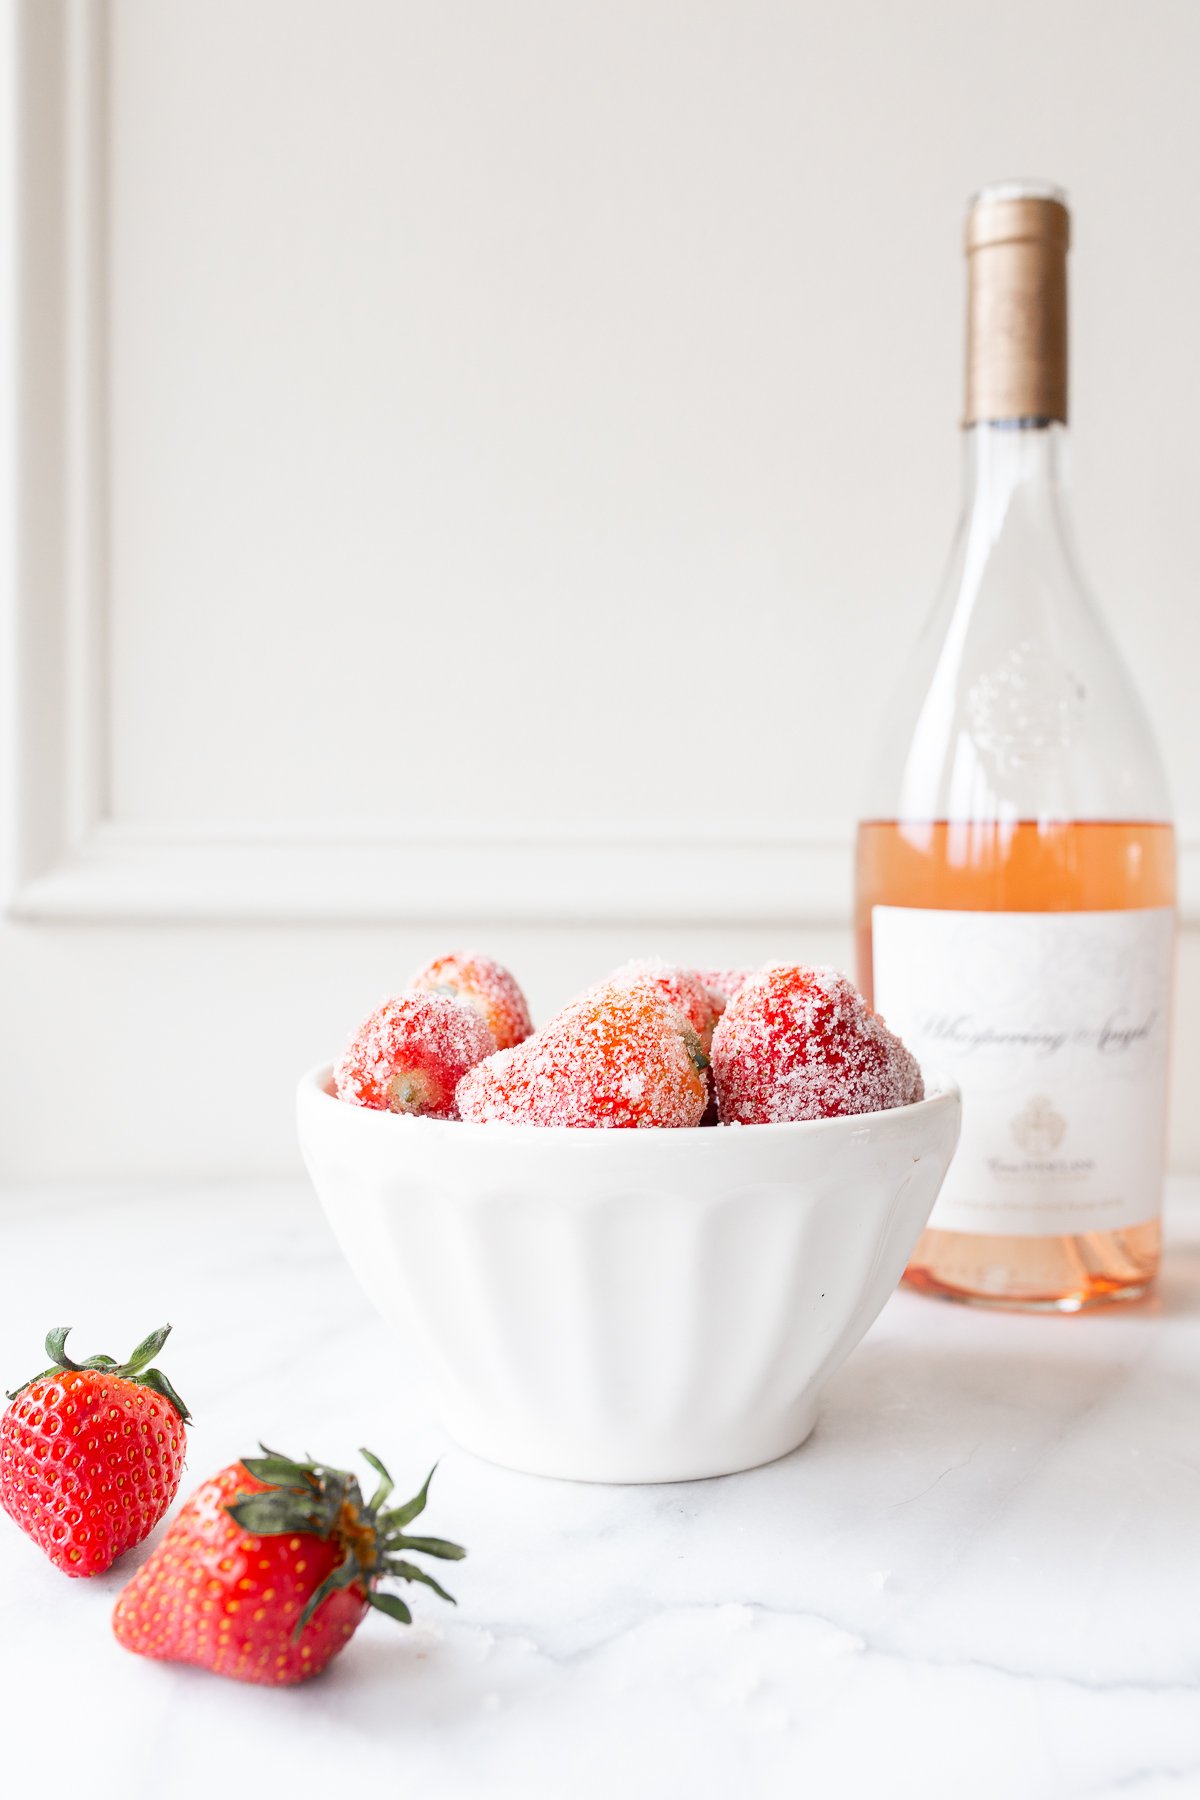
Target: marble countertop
x: 981, y: 1575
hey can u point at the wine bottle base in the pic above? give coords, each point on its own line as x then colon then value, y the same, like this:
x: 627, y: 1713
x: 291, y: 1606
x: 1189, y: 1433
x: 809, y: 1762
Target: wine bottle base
x: 1046, y: 1274
x: 1067, y: 1303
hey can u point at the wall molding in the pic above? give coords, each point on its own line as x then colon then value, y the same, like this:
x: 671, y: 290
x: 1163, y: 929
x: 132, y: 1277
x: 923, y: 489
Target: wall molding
x: 63, y: 857
x: 54, y: 664
x: 117, y: 875
x: 66, y: 859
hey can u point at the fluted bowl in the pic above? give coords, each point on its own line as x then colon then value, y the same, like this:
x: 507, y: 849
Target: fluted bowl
x: 628, y: 1305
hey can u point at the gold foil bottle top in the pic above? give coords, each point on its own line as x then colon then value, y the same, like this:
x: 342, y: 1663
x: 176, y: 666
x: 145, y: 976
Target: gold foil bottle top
x: 1016, y: 241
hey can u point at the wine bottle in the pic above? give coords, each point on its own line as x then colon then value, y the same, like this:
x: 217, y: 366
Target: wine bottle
x: 1016, y: 863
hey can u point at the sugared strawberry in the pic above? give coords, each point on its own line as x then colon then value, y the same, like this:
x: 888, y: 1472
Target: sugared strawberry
x: 269, y: 1569
x: 616, y: 1057
x: 683, y: 988
x: 411, y: 1053
x: 722, y: 985
x: 91, y: 1453
x: 802, y: 1043
x: 483, y: 984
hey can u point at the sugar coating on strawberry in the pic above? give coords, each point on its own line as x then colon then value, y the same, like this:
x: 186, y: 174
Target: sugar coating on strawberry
x: 409, y: 1055
x: 484, y: 984
x: 91, y: 1454
x: 801, y: 1043
x: 270, y: 1567
x: 722, y: 984
x: 683, y: 988
x: 615, y: 1058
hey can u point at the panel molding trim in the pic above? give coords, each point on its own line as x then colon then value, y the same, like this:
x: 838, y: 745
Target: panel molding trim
x: 63, y: 856
x: 116, y: 874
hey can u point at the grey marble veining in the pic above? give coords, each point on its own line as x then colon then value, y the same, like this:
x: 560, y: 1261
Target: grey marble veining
x: 981, y: 1575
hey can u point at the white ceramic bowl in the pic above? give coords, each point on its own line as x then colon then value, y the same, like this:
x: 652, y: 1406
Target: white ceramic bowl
x: 628, y: 1305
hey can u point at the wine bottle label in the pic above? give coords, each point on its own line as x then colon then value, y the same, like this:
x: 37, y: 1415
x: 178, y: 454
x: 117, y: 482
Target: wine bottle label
x: 1055, y: 1026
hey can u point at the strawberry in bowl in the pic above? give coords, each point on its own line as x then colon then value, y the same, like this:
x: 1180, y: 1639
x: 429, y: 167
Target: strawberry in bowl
x: 599, y: 1289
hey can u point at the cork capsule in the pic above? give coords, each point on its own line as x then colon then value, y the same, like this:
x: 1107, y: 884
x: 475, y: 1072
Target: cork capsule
x: 1017, y: 236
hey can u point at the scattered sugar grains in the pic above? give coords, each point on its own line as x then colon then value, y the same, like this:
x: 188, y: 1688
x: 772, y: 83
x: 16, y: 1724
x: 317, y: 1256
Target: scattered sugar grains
x: 802, y: 1043
x: 615, y: 1058
x: 483, y: 984
x: 410, y: 1054
x: 683, y: 988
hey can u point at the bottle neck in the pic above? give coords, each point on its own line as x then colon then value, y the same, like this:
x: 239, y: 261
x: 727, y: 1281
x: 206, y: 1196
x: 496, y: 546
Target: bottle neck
x: 1016, y: 473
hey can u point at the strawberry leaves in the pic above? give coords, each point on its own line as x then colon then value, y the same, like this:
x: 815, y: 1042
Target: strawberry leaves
x: 407, y: 1571
x: 135, y: 1369
x: 400, y: 1516
x: 426, y: 1546
x: 392, y: 1605
x: 386, y: 1484
x: 310, y: 1497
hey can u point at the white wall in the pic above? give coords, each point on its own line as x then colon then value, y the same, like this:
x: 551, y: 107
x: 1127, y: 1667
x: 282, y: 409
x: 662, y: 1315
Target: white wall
x: 504, y: 453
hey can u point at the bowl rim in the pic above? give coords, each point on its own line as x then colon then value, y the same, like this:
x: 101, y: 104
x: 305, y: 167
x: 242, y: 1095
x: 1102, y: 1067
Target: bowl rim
x: 315, y: 1090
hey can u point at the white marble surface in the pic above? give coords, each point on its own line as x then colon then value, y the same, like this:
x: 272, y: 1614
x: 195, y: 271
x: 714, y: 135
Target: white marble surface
x: 981, y: 1576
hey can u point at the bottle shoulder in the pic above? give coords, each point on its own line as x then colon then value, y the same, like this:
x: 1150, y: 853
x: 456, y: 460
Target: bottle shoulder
x: 1016, y: 701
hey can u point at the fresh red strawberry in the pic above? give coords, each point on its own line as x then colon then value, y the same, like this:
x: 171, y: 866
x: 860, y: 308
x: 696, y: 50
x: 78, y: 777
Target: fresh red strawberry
x: 269, y: 1569
x: 91, y: 1453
